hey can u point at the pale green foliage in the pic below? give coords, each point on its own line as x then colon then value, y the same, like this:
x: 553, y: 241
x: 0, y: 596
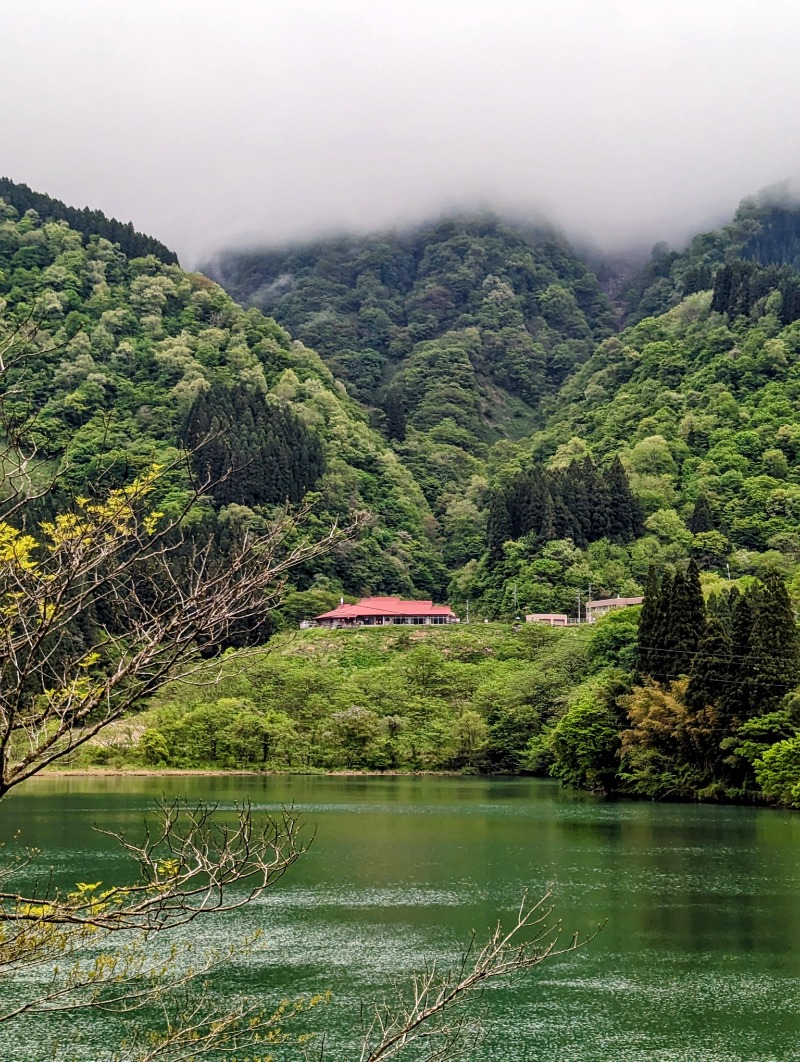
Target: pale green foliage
x: 778, y: 771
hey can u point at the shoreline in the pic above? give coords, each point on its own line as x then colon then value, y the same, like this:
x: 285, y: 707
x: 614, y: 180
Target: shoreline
x: 222, y: 772
x: 214, y: 772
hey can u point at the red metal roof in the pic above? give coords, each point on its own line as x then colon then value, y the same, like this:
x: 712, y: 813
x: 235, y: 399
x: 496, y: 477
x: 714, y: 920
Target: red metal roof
x: 386, y: 606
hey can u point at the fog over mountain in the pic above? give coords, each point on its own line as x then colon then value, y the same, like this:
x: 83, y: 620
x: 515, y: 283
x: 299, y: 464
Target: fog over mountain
x: 209, y: 124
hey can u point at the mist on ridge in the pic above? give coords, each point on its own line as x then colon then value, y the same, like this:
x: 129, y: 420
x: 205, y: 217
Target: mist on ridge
x: 208, y: 126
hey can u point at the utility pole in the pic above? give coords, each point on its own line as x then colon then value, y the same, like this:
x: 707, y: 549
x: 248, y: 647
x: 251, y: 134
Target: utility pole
x: 579, y: 605
x: 468, y: 612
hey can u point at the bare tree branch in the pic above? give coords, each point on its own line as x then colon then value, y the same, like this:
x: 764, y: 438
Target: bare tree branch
x: 426, y: 1015
x: 169, y: 601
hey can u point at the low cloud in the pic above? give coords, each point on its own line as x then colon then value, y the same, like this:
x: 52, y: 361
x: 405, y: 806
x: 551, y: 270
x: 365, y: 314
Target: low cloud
x: 208, y: 124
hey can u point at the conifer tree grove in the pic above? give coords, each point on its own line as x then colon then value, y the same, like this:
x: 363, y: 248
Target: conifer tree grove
x: 624, y: 514
x: 250, y: 451
x: 658, y: 649
x: 686, y: 618
x: 738, y: 696
x: 581, y: 503
x: 671, y: 624
x: 709, y: 676
x: 774, y: 651
x: 646, y: 662
x: 702, y: 518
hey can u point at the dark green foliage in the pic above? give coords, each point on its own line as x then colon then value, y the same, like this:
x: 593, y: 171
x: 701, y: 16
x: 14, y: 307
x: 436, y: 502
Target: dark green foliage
x: 720, y: 606
x: 673, y: 620
x: 709, y: 675
x: 661, y: 660
x: 678, y: 634
x: 535, y: 306
x: 249, y: 450
x: 581, y: 503
x: 686, y: 619
x: 702, y: 518
x: 499, y: 527
x: 738, y: 286
x: 624, y: 514
x: 774, y: 649
x: 776, y: 238
x: 757, y: 251
x: 726, y: 714
x: 648, y: 663
x: 395, y: 410
x: 737, y: 700
x: 90, y: 223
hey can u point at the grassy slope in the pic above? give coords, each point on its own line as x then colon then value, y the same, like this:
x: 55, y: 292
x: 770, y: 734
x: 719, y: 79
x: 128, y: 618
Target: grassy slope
x: 464, y: 696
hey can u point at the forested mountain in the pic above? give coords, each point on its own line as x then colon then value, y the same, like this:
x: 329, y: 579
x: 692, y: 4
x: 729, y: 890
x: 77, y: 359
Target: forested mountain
x: 696, y: 407
x: 469, y: 321
x: 88, y: 222
x: 451, y: 333
x: 675, y: 438
x: 765, y: 231
x: 132, y: 356
x: 517, y: 454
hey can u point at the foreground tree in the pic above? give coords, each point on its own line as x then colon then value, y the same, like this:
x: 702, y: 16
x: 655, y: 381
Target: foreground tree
x: 100, y: 606
x: 431, y: 1013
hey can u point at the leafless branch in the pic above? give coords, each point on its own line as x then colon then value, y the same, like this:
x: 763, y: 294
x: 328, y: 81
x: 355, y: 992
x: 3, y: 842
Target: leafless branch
x: 192, y: 862
x: 426, y: 1015
x: 54, y: 698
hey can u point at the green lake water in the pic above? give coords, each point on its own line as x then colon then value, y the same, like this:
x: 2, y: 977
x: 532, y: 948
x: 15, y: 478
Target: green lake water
x: 699, y: 960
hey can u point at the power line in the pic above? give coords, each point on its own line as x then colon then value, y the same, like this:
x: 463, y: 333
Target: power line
x: 709, y: 656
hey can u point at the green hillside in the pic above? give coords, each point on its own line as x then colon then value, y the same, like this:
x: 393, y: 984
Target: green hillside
x: 604, y: 706
x: 699, y: 407
x: 88, y: 222
x: 764, y: 232
x: 451, y: 333
x: 660, y: 460
x: 694, y: 409
x: 479, y: 697
x: 365, y: 304
x: 124, y: 355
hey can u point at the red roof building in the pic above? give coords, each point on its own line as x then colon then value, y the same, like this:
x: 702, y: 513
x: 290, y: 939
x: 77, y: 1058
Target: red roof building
x: 382, y: 611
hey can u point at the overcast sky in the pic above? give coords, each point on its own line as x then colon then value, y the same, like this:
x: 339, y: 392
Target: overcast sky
x: 208, y: 122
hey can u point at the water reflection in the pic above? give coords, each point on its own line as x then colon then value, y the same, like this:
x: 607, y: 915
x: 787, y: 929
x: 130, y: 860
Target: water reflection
x: 698, y: 961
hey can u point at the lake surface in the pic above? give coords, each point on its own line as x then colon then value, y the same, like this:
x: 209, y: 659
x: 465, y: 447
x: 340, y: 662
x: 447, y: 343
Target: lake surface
x: 699, y: 960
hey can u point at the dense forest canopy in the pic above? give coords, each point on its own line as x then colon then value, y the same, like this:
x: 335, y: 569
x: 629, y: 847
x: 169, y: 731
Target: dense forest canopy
x: 516, y: 449
x: 366, y: 304
x: 694, y: 407
x: 88, y: 222
x: 765, y: 231
x: 126, y: 352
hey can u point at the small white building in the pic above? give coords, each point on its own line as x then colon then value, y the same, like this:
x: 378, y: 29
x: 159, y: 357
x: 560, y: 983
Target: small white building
x: 550, y: 619
x: 596, y: 609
